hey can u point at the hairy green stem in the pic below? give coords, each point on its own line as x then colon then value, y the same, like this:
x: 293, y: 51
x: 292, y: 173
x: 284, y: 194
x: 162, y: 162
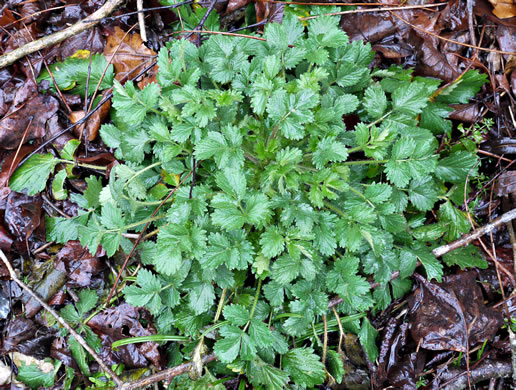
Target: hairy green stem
x: 379, y: 120
x: 256, y: 296
x: 83, y: 165
x: 220, y: 305
x: 135, y: 224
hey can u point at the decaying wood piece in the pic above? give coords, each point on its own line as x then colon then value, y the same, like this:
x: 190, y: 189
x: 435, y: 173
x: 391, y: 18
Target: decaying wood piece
x: 53, y: 39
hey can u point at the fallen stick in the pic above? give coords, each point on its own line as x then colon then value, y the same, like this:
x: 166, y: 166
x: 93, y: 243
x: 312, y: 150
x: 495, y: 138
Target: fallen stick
x: 167, y: 374
x: 77, y: 336
x: 489, y: 369
x: 466, y: 239
x: 50, y: 40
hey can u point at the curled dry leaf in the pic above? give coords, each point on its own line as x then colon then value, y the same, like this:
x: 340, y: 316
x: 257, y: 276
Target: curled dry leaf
x: 92, y: 124
x: 236, y: 4
x: 503, y: 9
x: 91, y: 40
x: 78, y: 264
x: 28, y: 114
x: 506, y: 184
x: 23, y: 217
x: 128, y: 54
x: 119, y: 323
x: 6, y: 18
x: 452, y: 314
x: 60, y: 351
x: 469, y: 113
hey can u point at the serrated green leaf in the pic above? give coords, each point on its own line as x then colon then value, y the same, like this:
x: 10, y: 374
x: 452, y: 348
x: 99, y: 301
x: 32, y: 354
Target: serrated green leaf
x: 335, y: 365
x: 304, y: 367
x: 261, y: 373
x: 92, y: 192
x: 33, y: 377
x: 375, y: 101
x: 329, y: 150
x: 272, y: 242
x: 225, y: 147
x: 462, y: 90
x: 467, y: 257
x: 454, y: 221
x: 32, y: 176
x: 367, y: 338
x: 433, y: 267
x: 236, y: 314
x: 456, y: 167
x: 87, y: 300
x: 410, y: 98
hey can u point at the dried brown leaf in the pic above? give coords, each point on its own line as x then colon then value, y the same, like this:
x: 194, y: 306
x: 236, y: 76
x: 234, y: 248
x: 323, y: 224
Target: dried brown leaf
x: 503, y: 9
x: 127, y: 53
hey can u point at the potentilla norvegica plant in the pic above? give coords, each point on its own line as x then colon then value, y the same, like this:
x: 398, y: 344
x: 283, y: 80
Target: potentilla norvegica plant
x: 302, y: 175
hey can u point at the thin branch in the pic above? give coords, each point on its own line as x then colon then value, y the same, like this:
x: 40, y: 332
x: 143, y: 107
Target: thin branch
x: 78, y: 337
x: 366, y: 10
x: 512, y: 336
x: 164, y: 375
x: 141, y: 20
x: 451, y: 40
x: 466, y: 239
x: 203, y: 20
x: 487, y: 370
x: 60, y: 36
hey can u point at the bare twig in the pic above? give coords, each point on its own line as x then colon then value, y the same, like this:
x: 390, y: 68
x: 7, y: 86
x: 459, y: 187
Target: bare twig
x: 466, y: 239
x: 78, y: 337
x: 469, y: 5
x: 367, y: 10
x: 141, y: 20
x: 512, y: 336
x: 60, y: 36
x: 203, y: 20
x: 451, y: 40
x: 164, y: 375
x: 485, y: 371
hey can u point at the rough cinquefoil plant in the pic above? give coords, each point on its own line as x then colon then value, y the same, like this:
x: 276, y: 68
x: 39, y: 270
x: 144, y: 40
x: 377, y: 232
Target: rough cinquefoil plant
x: 302, y: 175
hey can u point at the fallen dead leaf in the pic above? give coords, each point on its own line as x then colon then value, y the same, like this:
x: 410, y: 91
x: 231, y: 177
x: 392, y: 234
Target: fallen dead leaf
x: 30, y: 112
x: 452, y: 314
x: 503, y: 9
x: 127, y: 53
x: 92, y: 124
x: 119, y: 323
